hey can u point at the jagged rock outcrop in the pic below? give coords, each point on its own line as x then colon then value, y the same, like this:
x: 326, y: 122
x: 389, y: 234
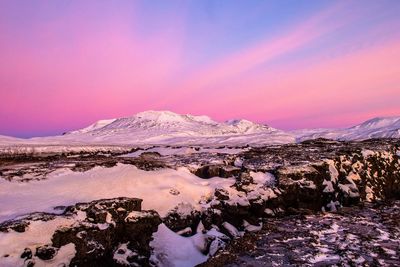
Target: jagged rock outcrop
x: 310, y: 177
x: 109, y: 232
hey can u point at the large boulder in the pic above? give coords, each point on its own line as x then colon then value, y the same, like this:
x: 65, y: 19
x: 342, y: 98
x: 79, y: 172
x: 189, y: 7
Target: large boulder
x: 224, y: 171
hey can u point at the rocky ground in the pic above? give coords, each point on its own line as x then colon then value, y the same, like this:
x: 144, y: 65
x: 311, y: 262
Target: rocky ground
x: 275, y: 212
x: 353, y: 236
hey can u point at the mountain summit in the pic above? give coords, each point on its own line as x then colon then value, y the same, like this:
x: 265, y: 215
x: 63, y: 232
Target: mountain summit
x: 161, y: 127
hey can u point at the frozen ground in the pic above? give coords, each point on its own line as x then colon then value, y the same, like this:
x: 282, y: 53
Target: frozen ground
x: 209, y: 196
x: 357, y: 236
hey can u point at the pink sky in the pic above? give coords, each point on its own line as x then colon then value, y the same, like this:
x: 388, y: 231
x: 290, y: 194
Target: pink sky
x: 331, y: 64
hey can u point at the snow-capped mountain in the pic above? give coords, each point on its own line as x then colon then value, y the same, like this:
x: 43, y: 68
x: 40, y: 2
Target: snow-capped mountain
x: 380, y: 127
x: 165, y: 127
x: 168, y: 128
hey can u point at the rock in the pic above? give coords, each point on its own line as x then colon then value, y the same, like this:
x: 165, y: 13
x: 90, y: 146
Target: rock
x: 150, y: 155
x: 224, y: 171
x: 182, y: 217
x: 30, y: 263
x: 27, y: 254
x: 174, y: 192
x: 221, y: 194
x: 98, y: 210
x: 124, y: 223
x: 46, y: 252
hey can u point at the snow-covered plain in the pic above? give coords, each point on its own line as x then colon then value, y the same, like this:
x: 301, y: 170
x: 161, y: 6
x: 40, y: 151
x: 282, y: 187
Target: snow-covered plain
x: 65, y: 187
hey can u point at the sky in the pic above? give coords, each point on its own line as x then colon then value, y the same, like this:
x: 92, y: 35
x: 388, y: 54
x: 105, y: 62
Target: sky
x: 287, y: 63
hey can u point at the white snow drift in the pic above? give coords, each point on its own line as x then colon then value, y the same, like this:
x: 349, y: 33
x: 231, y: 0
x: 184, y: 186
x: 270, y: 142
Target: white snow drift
x: 65, y: 187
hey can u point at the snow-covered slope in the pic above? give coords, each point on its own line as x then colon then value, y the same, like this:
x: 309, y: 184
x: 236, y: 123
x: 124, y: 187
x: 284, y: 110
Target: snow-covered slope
x: 97, y: 125
x: 168, y: 128
x: 165, y: 127
x: 8, y: 140
x: 381, y: 127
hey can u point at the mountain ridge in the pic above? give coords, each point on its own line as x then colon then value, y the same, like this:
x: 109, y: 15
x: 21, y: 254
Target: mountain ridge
x: 166, y: 127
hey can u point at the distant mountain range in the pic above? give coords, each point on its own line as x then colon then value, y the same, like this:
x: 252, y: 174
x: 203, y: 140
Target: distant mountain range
x: 165, y: 127
x: 381, y: 127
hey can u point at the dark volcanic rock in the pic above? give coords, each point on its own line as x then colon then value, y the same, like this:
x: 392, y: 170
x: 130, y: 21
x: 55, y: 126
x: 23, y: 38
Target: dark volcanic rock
x: 223, y: 171
x: 26, y: 254
x: 181, y: 217
x: 97, y: 230
x: 108, y: 224
x: 46, y: 252
x: 355, y: 236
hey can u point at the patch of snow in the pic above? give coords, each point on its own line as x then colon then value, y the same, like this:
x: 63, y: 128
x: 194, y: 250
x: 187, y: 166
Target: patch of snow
x: 122, y: 253
x: 367, y: 153
x: 97, y: 125
x: 324, y: 257
x: 134, y: 216
x: 263, y: 178
x: 232, y: 230
x: 332, y: 205
x: 332, y: 170
x: 389, y: 251
x: 238, y: 162
x: 251, y: 228
x: 269, y: 212
x: 173, y: 250
x: 328, y: 186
